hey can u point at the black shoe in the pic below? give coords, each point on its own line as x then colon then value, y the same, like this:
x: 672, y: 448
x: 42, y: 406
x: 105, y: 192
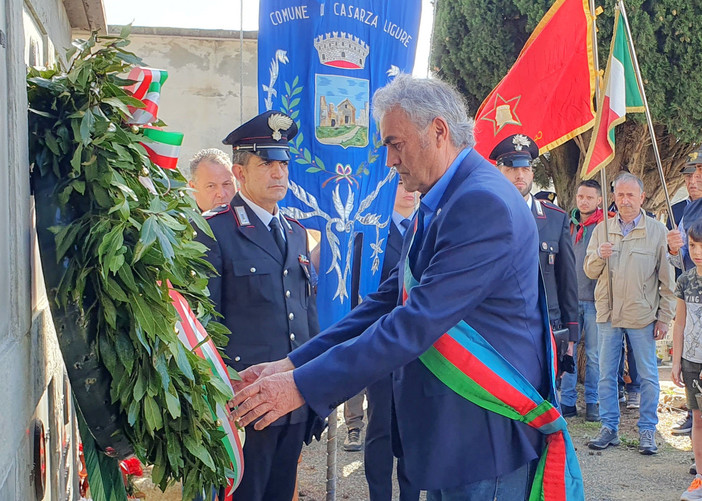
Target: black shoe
x: 569, y: 410
x: 592, y: 412
x: 684, y: 427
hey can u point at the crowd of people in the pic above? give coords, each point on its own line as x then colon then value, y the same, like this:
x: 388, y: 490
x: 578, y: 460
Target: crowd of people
x: 477, y: 275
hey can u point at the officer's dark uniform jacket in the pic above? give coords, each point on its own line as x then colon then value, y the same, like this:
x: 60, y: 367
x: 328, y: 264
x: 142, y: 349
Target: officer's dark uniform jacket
x: 392, y: 251
x: 557, y: 265
x: 266, y: 301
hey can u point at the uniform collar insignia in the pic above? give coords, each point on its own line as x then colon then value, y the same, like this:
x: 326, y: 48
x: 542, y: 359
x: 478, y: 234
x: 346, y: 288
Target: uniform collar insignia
x: 537, y: 205
x: 303, y: 259
x: 241, y: 216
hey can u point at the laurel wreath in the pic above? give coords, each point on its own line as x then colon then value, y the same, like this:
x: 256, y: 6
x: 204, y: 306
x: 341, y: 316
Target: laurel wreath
x: 123, y: 248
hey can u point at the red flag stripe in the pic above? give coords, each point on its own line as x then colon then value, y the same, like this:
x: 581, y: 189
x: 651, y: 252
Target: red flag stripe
x: 160, y: 160
x: 467, y: 363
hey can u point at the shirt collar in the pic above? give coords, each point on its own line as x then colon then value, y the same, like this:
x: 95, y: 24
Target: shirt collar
x: 260, y: 212
x: 431, y: 199
x: 397, y: 218
x: 627, y: 227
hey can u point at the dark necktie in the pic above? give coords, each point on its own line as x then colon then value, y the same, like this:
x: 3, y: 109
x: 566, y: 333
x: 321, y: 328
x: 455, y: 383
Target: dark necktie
x: 404, y: 224
x: 277, y: 235
x: 417, y: 238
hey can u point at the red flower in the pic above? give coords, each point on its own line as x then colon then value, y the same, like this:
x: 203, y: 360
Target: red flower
x: 131, y: 466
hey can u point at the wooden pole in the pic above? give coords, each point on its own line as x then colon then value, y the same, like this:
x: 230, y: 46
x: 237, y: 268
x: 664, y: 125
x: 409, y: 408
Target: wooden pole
x: 649, y: 120
x: 603, y: 171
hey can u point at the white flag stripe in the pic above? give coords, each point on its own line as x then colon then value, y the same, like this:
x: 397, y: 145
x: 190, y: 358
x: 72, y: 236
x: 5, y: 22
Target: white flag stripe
x: 617, y: 89
x: 162, y: 149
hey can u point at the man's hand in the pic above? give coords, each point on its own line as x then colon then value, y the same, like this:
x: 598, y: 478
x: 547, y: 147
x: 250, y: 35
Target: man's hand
x: 259, y: 371
x: 571, y: 348
x: 675, y: 241
x: 269, y: 398
x: 605, y: 250
x: 660, y: 329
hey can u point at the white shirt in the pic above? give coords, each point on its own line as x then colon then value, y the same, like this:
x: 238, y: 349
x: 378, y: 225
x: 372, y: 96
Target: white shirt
x: 263, y: 214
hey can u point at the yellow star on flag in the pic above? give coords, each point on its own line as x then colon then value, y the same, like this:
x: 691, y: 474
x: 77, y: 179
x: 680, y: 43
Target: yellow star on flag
x: 503, y: 112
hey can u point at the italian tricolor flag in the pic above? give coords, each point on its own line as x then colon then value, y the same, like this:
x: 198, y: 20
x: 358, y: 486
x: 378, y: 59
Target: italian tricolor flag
x: 163, y: 147
x: 621, y: 95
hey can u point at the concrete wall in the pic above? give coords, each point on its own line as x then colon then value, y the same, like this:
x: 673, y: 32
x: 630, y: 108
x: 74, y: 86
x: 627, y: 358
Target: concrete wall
x: 34, y: 388
x: 201, y: 97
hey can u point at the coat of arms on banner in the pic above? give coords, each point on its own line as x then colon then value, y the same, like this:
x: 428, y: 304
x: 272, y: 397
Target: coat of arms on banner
x: 342, y: 110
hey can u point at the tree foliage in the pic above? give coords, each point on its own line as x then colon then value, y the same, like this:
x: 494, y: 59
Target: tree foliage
x: 476, y: 41
x: 123, y: 249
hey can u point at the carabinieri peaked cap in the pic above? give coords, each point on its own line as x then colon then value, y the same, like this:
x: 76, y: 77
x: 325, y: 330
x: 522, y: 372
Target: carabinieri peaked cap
x: 265, y: 135
x: 694, y: 160
x: 516, y: 150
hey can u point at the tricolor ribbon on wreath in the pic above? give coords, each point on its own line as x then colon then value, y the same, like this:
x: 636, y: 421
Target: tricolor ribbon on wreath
x: 163, y: 147
x: 465, y: 362
x: 194, y: 336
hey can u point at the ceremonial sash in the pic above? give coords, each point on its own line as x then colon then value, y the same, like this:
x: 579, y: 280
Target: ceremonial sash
x: 465, y: 362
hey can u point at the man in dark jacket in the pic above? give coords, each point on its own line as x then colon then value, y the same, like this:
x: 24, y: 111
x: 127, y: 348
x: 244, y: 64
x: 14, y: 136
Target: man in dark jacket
x: 583, y: 220
x: 263, y: 291
x: 378, y: 458
x: 514, y: 156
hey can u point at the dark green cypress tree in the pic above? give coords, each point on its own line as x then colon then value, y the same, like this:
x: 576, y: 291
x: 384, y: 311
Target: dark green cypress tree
x: 475, y: 42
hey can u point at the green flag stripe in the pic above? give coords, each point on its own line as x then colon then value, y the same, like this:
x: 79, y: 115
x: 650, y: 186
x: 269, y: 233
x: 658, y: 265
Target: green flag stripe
x: 459, y: 382
x: 161, y: 136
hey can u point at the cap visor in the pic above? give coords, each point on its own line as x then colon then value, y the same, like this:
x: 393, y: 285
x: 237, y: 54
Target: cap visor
x: 515, y: 162
x: 282, y: 155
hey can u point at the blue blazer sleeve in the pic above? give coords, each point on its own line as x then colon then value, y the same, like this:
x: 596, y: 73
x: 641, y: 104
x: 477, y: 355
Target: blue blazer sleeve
x: 464, y: 261
x: 374, y: 306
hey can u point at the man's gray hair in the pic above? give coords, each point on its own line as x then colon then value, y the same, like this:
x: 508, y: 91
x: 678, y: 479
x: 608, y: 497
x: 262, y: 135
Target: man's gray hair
x: 213, y: 155
x: 628, y: 177
x: 241, y: 157
x: 423, y: 100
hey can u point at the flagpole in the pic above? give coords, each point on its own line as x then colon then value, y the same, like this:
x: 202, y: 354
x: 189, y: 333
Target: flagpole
x: 651, y: 131
x: 603, y: 171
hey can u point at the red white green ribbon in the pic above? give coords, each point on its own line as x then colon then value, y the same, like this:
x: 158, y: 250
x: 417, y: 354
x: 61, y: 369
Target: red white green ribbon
x: 148, y: 90
x: 164, y: 147
x: 192, y: 334
x: 465, y: 362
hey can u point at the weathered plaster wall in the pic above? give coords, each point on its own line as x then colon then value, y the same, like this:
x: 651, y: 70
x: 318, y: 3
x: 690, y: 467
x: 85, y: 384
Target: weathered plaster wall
x: 31, y: 368
x: 201, y: 97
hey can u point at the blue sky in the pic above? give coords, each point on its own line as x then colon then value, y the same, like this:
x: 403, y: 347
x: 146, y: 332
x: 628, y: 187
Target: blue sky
x: 226, y: 14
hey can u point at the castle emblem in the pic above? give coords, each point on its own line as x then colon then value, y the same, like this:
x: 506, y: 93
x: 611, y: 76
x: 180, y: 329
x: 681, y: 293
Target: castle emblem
x: 342, y: 110
x: 341, y: 50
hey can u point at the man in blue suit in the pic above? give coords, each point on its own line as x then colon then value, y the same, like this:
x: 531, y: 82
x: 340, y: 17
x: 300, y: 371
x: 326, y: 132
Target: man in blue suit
x: 475, y: 261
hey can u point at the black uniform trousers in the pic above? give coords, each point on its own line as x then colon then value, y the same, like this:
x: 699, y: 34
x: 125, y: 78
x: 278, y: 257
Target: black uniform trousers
x: 275, y: 448
x: 378, y: 457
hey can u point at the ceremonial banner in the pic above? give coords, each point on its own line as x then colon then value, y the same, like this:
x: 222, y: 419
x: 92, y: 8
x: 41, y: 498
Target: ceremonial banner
x: 320, y: 62
x: 547, y: 94
x: 621, y: 95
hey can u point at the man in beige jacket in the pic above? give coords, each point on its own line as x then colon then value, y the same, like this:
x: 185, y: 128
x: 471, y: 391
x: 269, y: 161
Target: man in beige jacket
x: 642, y: 306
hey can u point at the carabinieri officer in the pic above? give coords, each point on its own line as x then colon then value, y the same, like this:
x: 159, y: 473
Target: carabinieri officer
x: 263, y: 291
x: 514, y: 156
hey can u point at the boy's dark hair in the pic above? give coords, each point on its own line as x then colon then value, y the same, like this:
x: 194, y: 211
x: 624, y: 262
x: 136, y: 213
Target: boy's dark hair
x: 591, y: 183
x: 694, y: 232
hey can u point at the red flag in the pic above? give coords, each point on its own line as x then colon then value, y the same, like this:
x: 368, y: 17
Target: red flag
x: 547, y: 94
